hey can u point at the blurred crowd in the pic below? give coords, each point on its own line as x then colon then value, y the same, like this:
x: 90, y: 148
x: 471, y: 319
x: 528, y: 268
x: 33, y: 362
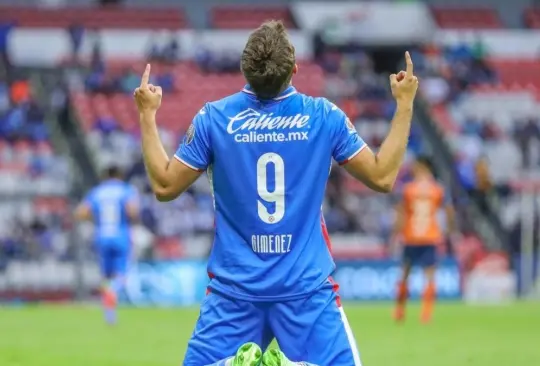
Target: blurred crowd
x: 33, y: 183
x: 103, y: 80
x: 351, y: 80
x: 492, y: 154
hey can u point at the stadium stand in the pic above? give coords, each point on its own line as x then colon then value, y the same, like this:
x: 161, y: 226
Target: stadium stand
x: 68, y: 69
x: 248, y: 17
x: 488, y: 108
x: 532, y: 18
x: 467, y: 17
x: 518, y: 73
x: 34, y: 214
x: 118, y: 18
x: 191, y: 89
x: 476, y: 99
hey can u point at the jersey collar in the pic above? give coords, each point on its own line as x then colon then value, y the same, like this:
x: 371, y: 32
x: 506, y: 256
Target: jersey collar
x: 291, y: 90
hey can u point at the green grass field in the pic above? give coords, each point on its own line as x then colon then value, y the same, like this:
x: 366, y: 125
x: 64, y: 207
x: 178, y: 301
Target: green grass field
x: 460, y: 335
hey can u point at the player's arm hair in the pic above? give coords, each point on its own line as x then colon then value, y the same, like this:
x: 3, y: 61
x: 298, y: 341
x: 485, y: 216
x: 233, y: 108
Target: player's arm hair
x: 168, y: 176
x: 379, y: 170
x: 83, y: 212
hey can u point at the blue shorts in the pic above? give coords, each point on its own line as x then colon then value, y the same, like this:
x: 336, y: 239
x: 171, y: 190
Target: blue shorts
x: 114, y: 257
x: 420, y: 255
x: 313, y: 329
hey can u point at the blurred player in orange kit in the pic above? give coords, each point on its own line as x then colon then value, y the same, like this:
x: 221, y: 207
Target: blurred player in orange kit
x: 419, y: 229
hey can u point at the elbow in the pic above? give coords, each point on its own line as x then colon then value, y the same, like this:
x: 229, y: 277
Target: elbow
x: 384, y: 185
x: 385, y: 188
x: 163, y: 194
x: 164, y: 197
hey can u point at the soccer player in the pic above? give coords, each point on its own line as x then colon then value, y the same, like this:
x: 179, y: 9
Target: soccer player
x: 417, y: 223
x: 112, y: 206
x: 267, y: 151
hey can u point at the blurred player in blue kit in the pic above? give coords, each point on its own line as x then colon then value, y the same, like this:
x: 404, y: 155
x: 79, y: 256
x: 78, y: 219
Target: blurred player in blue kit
x: 267, y: 151
x: 112, y: 206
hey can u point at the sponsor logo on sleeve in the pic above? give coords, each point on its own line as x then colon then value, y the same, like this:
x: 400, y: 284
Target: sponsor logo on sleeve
x: 350, y: 126
x: 190, y: 133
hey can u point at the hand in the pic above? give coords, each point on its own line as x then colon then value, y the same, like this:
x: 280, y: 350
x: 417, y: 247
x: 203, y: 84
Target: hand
x: 147, y: 96
x: 404, y: 84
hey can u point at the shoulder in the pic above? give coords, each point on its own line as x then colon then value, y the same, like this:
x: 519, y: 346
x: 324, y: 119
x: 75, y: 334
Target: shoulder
x: 321, y: 104
x: 221, y: 107
x: 91, y: 194
x: 222, y: 104
x: 329, y: 113
x: 95, y: 195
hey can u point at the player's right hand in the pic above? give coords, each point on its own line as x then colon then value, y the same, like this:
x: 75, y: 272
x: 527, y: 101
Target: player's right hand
x: 404, y: 85
x: 147, y: 96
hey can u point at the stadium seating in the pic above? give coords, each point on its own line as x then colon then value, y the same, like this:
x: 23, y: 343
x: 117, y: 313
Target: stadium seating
x: 518, y: 73
x: 467, y: 17
x: 513, y: 98
x: 503, y: 109
x: 496, y: 118
x: 194, y: 90
x: 34, y: 186
x: 242, y: 17
x: 95, y: 17
x: 532, y: 17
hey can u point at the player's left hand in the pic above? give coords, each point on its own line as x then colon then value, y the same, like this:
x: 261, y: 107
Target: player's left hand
x: 147, y: 96
x: 404, y: 85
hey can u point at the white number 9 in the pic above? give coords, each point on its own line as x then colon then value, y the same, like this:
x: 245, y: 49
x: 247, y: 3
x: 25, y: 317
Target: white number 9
x: 278, y: 195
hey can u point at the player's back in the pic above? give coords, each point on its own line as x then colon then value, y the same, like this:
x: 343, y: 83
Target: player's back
x: 422, y: 201
x: 108, y: 203
x: 268, y: 163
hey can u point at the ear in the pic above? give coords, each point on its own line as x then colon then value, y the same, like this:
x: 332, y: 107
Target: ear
x: 295, y: 69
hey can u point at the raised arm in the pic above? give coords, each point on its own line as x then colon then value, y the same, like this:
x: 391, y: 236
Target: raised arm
x: 379, y: 170
x: 168, y: 177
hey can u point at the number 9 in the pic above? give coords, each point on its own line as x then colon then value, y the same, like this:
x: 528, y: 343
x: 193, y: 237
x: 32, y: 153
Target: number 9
x: 278, y: 195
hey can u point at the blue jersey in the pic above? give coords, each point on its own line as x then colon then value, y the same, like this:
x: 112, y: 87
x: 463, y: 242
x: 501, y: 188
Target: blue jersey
x: 108, y: 204
x: 268, y: 164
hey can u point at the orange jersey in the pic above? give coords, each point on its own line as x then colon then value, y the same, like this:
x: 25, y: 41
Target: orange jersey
x: 422, y: 200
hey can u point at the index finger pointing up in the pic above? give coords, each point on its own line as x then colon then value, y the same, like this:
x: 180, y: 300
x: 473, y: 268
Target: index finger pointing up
x: 409, y: 63
x: 145, y: 76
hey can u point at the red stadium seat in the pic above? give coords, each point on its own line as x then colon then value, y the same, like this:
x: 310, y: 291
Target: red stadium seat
x: 236, y: 17
x: 51, y: 204
x: 532, y: 18
x: 467, y: 18
x: 442, y: 117
x: 518, y: 73
x: 194, y: 90
x: 123, y: 18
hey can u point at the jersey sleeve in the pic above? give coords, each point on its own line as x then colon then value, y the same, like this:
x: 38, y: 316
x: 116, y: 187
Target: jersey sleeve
x: 346, y: 143
x: 195, y: 149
